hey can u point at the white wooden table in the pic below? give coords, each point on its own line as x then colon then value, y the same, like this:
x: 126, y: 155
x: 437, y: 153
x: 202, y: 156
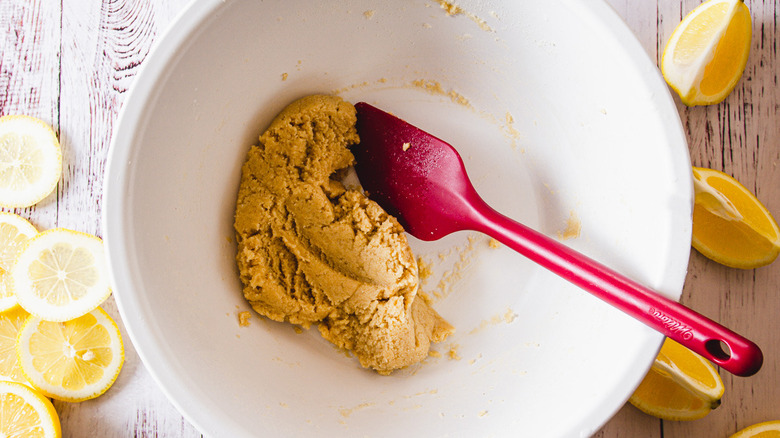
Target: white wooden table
x: 71, y: 62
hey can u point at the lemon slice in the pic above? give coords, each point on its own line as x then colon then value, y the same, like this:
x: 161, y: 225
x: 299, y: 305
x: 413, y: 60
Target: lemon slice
x: 61, y: 274
x: 769, y: 429
x: 71, y: 361
x: 15, y: 231
x: 730, y: 225
x: 32, y: 414
x: 10, y: 323
x: 30, y: 161
x: 681, y: 385
x: 707, y: 52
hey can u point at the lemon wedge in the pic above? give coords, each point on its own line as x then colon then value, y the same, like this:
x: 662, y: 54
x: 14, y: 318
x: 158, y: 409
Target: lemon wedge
x: 71, y: 361
x: 681, y: 385
x: 30, y: 161
x: 769, y: 429
x: 61, y: 274
x: 10, y: 323
x: 730, y: 225
x: 33, y: 415
x: 15, y: 231
x: 707, y: 52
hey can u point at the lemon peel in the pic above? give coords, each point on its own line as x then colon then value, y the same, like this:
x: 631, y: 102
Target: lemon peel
x: 15, y: 231
x: 767, y: 429
x: 11, y: 322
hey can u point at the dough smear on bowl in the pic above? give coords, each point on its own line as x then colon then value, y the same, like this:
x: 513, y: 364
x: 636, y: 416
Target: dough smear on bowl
x: 312, y: 252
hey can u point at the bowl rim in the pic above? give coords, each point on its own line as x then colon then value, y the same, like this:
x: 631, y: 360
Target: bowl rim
x: 184, y: 26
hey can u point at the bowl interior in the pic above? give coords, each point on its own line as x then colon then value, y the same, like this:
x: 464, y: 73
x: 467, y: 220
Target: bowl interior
x: 563, y: 124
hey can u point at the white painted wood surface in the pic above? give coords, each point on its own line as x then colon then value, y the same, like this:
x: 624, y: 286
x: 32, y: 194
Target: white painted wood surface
x: 71, y: 62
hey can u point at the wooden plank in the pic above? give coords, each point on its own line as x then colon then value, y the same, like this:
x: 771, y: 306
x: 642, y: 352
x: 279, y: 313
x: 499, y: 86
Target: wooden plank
x: 630, y: 422
x: 103, y: 46
x: 739, y: 136
x: 642, y: 19
x: 29, y: 75
x: 29, y: 59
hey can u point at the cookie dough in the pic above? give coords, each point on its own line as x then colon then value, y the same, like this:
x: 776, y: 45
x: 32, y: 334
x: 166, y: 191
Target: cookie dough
x: 312, y: 252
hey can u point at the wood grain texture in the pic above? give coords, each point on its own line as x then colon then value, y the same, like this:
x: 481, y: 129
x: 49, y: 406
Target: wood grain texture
x: 71, y: 63
x: 103, y: 45
x: 741, y: 137
x: 29, y: 75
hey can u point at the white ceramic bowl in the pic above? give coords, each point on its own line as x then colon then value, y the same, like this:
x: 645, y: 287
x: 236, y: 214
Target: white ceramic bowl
x: 559, y: 115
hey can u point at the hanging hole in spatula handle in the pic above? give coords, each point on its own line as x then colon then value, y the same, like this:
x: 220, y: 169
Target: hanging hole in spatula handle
x: 716, y: 343
x: 718, y: 349
x: 741, y: 358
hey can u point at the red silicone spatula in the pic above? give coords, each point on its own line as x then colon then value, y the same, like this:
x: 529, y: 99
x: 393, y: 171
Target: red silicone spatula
x: 422, y: 181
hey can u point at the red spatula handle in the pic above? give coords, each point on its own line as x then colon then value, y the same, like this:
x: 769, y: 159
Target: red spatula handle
x: 741, y: 356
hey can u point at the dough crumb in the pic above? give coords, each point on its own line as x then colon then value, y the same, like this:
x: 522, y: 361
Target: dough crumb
x: 436, y: 88
x: 243, y: 318
x: 453, y: 353
x: 424, y: 269
x: 507, y: 318
x: 451, y: 9
x: 510, y: 131
x: 573, y: 227
x: 452, y: 276
x: 346, y: 412
x: 493, y: 243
